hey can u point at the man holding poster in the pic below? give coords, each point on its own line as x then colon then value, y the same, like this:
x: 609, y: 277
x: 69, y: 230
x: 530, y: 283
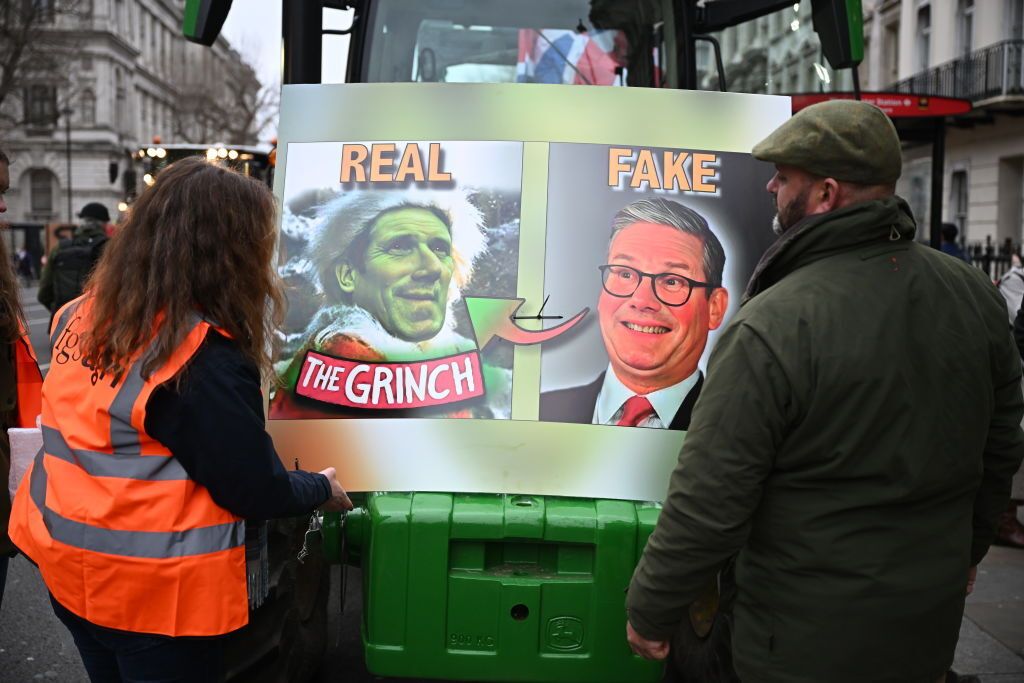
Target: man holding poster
x: 662, y: 294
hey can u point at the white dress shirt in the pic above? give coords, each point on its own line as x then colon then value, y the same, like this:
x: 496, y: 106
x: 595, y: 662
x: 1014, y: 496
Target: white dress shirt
x: 614, y: 394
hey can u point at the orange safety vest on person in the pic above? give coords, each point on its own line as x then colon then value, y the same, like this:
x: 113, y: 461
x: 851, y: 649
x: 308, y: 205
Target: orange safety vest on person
x: 29, y: 381
x: 122, y: 537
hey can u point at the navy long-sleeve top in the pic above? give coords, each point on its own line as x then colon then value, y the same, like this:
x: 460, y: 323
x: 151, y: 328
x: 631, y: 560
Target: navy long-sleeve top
x: 212, y: 422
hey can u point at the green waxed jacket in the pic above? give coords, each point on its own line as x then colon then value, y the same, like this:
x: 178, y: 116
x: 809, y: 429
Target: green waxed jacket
x: 854, y: 443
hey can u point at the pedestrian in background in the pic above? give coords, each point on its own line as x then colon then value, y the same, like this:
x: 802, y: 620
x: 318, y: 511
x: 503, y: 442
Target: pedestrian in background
x: 71, y: 261
x: 23, y: 266
x: 20, y: 379
x: 856, y: 435
x: 948, y: 244
x: 154, y: 449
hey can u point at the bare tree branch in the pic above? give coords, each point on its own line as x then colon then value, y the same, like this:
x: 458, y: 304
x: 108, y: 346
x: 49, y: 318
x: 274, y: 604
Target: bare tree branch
x: 234, y: 110
x: 32, y: 50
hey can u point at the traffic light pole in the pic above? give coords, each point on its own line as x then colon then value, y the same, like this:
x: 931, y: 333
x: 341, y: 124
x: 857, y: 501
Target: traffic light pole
x: 687, y: 54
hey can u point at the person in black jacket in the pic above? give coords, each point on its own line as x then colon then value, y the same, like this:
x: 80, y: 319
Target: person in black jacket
x: 69, y: 264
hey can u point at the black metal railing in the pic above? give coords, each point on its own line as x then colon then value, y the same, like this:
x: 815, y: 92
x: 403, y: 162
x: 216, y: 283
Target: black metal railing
x: 994, y: 71
x: 994, y: 259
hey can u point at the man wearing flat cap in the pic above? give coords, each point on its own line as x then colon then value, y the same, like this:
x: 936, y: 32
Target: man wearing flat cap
x: 856, y: 436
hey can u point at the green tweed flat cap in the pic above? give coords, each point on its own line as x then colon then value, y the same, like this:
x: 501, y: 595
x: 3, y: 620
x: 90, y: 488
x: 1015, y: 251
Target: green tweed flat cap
x: 847, y: 140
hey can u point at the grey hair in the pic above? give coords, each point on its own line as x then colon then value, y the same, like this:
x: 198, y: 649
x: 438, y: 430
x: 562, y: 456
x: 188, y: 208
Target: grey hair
x: 682, y: 218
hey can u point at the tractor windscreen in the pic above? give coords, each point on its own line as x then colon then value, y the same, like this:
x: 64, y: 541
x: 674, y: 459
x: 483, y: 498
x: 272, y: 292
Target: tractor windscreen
x: 576, y: 42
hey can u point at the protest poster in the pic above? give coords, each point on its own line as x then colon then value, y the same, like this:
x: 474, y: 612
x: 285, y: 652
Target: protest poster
x: 481, y: 278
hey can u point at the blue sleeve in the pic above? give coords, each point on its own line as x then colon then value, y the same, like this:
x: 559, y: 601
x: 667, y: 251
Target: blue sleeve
x: 212, y: 422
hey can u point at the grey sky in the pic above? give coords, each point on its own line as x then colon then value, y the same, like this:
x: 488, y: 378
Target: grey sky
x: 253, y: 27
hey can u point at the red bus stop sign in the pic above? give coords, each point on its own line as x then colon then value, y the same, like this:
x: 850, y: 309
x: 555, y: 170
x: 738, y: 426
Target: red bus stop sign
x: 897, y: 105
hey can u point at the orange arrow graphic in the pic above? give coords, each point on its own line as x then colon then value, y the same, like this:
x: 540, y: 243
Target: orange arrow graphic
x: 493, y: 318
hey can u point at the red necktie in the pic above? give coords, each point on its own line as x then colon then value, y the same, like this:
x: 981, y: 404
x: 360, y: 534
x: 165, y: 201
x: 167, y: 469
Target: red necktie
x: 636, y: 410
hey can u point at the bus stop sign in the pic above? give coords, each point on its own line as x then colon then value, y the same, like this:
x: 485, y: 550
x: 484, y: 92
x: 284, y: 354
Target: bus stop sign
x: 896, y: 105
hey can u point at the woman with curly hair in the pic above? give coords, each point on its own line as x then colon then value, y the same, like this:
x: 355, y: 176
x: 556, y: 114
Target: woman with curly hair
x: 154, y: 449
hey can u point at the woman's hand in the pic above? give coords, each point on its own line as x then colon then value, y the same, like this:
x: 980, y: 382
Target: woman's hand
x: 339, y: 500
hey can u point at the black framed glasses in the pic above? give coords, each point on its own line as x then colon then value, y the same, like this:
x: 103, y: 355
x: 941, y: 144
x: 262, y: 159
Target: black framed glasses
x: 671, y: 289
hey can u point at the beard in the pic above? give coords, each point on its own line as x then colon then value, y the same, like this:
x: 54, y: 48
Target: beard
x: 789, y: 215
x: 777, y: 225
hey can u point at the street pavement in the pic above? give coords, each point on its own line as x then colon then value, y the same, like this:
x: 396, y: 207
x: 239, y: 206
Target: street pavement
x: 38, y: 319
x: 35, y: 646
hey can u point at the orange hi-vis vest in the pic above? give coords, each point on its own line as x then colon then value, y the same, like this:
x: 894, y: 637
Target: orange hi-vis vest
x: 122, y: 536
x: 29, y: 381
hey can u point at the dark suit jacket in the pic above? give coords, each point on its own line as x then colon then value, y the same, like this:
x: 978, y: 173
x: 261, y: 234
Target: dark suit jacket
x: 576, y: 404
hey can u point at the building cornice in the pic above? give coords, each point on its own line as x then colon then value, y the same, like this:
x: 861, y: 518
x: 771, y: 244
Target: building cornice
x: 71, y: 35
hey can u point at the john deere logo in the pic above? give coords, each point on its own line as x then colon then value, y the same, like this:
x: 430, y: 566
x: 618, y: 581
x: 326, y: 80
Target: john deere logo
x: 565, y: 633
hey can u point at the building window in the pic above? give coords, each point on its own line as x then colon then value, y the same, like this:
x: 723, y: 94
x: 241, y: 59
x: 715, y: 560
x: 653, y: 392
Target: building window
x: 43, y: 8
x: 958, y: 201
x: 87, y: 108
x: 143, y: 116
x: 891, y: 53
x: 924, y: 36
x: 120, y: 110
x: 41, y: 189
x: 1015, y: 19
x: 41, y: 105
x: 965, y: 27
x: 864, y: 69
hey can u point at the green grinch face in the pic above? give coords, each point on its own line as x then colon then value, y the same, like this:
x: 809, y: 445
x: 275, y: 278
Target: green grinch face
x: 404, y: 277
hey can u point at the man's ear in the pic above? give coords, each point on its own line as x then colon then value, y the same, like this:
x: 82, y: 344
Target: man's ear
x: 718, y: 304
x: 346, y: 276
x: 828, y: 196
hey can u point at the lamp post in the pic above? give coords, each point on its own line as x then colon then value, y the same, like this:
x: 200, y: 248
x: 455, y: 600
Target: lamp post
x: 66, y: 112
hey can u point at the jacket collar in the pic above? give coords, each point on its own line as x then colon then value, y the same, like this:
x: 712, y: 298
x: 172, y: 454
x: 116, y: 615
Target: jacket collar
x: 816, y: 237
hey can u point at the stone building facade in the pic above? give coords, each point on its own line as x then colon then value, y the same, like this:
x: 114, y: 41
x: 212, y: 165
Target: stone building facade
x: 130, y: 76
x: 970, y: 49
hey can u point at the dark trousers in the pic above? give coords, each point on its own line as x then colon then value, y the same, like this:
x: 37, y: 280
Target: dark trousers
x: 112, y: 656
x: 706, y: 660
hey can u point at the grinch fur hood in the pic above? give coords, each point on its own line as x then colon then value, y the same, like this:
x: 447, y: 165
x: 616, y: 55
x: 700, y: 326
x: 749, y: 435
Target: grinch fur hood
x: 357, y: 323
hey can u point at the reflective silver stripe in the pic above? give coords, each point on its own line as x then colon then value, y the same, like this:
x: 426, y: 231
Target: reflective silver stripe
x: 124, y: 438
x: 146, y: 544
x: 62, y: 322
x: 122, y: 465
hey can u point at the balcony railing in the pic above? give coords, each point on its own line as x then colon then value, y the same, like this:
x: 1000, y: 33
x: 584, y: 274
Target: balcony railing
x: 994, y: 71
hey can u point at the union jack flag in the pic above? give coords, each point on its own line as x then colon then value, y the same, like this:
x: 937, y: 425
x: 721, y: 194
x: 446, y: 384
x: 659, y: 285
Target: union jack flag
x: 571, y: 58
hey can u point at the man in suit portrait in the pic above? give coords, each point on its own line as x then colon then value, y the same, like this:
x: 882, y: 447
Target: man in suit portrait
x: 661, y: 294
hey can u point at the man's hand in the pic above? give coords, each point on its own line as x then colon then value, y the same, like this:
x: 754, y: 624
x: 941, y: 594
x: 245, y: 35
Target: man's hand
x: 972, y: 575
x: 339, y: 500
x: 648, y: 649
